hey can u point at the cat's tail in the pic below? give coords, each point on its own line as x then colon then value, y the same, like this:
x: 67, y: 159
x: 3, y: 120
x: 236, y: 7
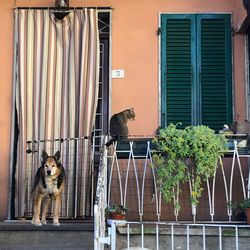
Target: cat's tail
x: 111, y: 141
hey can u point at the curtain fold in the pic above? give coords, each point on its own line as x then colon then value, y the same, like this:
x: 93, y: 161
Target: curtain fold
x: 57, y: 90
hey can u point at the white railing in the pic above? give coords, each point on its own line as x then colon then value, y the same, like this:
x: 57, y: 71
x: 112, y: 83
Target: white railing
x: 164, y: 236
x: 125, y: 173
x: 129, y: 169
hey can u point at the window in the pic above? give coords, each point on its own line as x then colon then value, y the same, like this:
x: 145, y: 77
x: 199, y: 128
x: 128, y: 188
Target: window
x: 196, y: 74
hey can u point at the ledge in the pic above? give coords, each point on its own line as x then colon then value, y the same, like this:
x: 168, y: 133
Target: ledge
x: 25, y: 225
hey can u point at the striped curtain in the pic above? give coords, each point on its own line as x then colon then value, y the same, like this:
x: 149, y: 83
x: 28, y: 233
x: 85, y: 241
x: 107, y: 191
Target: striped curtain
x: 56, y: 80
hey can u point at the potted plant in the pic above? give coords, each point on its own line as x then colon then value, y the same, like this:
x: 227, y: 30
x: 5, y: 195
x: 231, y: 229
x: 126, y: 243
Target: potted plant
x: 245, y: 205
x: 187, y: 155
x: 116, y: 212
x: 237, y: 212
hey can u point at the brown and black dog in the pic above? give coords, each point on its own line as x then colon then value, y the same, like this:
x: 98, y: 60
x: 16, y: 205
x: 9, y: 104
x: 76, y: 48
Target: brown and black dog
x: 49, y: 184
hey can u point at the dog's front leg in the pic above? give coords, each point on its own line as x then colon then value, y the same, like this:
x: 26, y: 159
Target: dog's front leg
x: 56, y: 211
x: 36, y: 211
x: 45, y: 209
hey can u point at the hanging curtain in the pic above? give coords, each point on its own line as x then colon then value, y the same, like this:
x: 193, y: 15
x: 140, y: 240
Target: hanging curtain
x: 57, y: 79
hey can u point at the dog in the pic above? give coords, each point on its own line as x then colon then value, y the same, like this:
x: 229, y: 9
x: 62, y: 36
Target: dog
x: 48, y: 185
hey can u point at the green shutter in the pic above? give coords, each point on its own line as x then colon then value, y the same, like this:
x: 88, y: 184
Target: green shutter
x: 177, y: 71
x: 196, y: 72
x: 215, y: 70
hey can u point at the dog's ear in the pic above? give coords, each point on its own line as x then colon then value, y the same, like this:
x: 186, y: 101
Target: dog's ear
x: 44, y: 156
x: 57, y: 156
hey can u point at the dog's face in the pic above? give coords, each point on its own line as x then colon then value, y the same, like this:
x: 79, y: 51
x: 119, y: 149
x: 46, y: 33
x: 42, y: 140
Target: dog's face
x: 50, y: 164
x: 50, y: 167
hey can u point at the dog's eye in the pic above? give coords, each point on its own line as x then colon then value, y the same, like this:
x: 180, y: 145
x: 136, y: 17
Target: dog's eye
x: 46, y: 165
x: 53, y: 166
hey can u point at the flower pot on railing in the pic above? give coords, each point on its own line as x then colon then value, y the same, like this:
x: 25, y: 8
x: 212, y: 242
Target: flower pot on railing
x: 245, y: 205
x: 247, y: 212
x: 116, y: 214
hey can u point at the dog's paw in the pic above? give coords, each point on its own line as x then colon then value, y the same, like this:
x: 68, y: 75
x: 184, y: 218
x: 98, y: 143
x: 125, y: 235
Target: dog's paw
x: 44, y: 222
x: 56, y: 224
x: 36, y: 223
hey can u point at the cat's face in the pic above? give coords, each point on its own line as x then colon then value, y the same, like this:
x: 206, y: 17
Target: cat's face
x: 130, y: 113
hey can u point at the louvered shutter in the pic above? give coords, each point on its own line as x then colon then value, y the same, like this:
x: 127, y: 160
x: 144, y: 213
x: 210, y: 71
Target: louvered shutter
x: 196, y: 70
x: 177, y: 72
x: 215, y: 70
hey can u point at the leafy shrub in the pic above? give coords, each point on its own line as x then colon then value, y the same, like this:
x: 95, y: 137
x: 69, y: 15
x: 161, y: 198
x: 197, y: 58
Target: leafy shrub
x: 186, y: 155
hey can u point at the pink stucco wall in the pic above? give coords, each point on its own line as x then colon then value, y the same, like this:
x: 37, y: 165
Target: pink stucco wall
x: 134, y: 49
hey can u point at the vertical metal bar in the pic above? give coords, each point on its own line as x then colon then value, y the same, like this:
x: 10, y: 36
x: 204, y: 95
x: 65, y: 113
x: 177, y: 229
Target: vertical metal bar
x: 113, y: 158
x: 128, y: 236
x: 154, y: 182
x: 225, y: 185
x: 136, y: 177
x: 176, y: 201
x: 236, y: 238
x: 220, y: 238
x: 96, y: 228
x: 241, y: 174
x: 92, y: 150
x: 113, y: 236
x: 142, y: 236
x: 78, y: 163
x: 70, y: 163
x: 204, y: 237
x: 187, y: 237
x: 157, y: 236
x: 213, y: 194
x: 172, y: 237
x: 85, y: 173
x: 231, y: 181
x: 143, y: 183
x: 126, y: 179
x: 119, y: 179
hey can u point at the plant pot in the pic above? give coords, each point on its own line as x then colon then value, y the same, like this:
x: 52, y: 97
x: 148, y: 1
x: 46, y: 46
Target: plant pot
x: 117, y: 216
x: 247, y: 212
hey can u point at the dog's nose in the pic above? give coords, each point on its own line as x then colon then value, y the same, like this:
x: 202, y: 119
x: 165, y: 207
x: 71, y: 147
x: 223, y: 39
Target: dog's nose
x: 48, y: 172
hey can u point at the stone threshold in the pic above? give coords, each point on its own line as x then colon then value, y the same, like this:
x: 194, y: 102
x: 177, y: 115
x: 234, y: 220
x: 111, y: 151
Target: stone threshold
x: 65, y: 225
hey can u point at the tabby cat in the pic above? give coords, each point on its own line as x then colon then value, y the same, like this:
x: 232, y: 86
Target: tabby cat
x: 118, y: 125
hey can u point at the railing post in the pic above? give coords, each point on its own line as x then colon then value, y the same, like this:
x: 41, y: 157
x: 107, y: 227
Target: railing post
x: 100, y: 203
x: 96, y: 228
x: 113, y: 236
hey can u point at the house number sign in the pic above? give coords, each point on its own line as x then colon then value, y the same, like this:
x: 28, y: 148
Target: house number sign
x: 118, y: 73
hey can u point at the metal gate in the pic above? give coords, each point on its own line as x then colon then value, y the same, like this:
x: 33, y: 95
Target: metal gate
x: 77, y: 157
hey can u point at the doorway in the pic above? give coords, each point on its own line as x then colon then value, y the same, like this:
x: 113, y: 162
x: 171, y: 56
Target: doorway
x: 79, y: 193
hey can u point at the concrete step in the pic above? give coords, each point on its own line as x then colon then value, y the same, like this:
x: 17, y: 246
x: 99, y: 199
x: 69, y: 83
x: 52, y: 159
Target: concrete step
x: 22, y: 235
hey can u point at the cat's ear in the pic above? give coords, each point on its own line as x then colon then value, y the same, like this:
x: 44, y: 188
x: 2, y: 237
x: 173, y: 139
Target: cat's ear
x: 132, y: 109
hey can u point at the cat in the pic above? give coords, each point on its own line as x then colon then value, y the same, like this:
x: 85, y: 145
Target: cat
x: 240, y: 127
x: 118, y: 125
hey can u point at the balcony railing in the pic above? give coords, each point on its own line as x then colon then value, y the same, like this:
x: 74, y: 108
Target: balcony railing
x: 127, y: 177
x: 132, y: 183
